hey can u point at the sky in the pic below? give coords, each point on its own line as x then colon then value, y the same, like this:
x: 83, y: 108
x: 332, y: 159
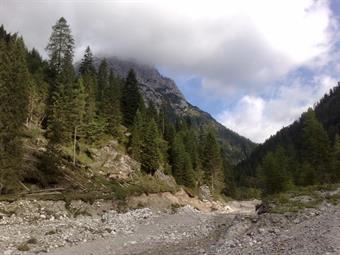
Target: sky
x: 253, y: 65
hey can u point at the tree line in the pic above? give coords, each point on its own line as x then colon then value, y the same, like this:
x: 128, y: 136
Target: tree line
x: 83, y: 106
x: 304, y: 153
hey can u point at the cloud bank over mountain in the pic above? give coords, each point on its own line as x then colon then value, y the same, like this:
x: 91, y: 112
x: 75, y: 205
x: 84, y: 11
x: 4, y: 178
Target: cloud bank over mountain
x: 239, y: 49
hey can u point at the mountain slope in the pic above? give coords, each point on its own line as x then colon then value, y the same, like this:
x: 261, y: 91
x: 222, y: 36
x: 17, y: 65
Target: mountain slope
x: 162, y: 91
x: 291, y: 138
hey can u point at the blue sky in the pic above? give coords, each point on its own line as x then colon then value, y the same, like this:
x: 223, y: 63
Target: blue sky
x: 307, y: 82
x: 254, y: 65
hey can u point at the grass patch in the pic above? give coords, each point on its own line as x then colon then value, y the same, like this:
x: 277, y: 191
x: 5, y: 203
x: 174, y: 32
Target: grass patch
x: 23, y: 247
x: 299, y: 198
x: 32, y: 240
x: 333, y: 199
x: 244, y: 193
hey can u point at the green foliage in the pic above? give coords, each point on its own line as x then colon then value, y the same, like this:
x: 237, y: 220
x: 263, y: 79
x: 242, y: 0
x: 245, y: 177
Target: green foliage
x: 150, y: 155
x: 111, y: 105
x: 89, y: 76
x: 103, y: 82
x: 61, y: 45
x: 274, y: 172
x: 137, y: 136
x: 131, y: 99
x: 316, y: 148
x: 212, y: 163
x: 181, y: 163
x: 13, y: 108
x: 86, y: 65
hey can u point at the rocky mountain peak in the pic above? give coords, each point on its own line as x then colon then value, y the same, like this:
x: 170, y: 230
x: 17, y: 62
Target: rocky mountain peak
x: 155, y: 87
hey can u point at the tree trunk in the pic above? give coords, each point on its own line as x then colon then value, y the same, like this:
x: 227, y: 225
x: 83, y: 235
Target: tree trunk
x: 74, y: 145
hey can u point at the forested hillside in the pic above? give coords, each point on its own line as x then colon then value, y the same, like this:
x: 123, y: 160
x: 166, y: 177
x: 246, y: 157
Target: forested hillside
x: 305, y: 153
x: 52, y: 117
x: 164, y: 94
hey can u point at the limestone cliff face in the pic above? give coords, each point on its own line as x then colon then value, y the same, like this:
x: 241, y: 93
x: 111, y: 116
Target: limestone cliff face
x: 161, y: 90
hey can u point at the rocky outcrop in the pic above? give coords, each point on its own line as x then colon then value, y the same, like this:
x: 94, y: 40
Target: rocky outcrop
x: 113, y: 164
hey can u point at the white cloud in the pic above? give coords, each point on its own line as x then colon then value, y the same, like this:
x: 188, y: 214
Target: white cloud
x: 237, y: 47
x: 230, y: 44
x: 258, y: 118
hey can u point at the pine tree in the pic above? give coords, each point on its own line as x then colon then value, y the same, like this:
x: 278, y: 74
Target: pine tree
x: 61, y: 44
x: 188, y: 178
x: 230, y: 187
x: 274, y: 173
x: 150, y: 156
x: 60, y: 103
x: 111, y: 105
x: 77, y: 112
x: 177, y: 158
x: 137, y: 136
x: 212, y: 163
x: 316, y: 146
x: 87, y: 65
x: 103, y: 83
x: 336, y: 158
x: 13, y: 107
x: 89, y: 76
x: 38, y: 88
x: 131, y: 99
x: 181, y: 163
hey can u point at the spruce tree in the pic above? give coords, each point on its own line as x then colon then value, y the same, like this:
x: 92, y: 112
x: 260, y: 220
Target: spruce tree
x: 336, y: 158
x: 177, y: 158
x: 103, y: 83
x: 274, y: 172
x: 77, y: 113
x: 87, y: 65
x: 137, y: 136
x: 181, y: 163
x: 316, y: 146
x: 150, y: 156
x: 13, y: 108
x: 111, y: 105
x: 212, y: 162
x: 89, y: 77
x: 61, y: 44
x: 60, y: 103
x: 131, y: 99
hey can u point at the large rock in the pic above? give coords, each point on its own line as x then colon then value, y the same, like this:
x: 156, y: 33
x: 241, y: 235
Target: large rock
x: 205, y: 193
x: 112, y: 163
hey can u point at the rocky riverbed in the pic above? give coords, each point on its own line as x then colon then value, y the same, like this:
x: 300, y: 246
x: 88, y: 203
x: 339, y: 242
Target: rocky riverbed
x: 48, y: 227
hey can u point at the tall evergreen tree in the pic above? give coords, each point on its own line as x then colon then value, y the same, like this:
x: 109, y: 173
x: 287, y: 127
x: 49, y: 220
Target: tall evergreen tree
x: 13, y: 107
x: 60, y: 49
x: 103, y: 82
x: 336, y: 158
x: 316, y: 146
x: 181, y: 163
x: 150, y: 150
x: 87, y: 65
x: 137, y: 136
x: 89, y: 76
x: 61, y: 44
x: 212, y: 163
x: 111, y: 105
x: 77, y: 112
x: 274, y: 172
x: 131, y: 99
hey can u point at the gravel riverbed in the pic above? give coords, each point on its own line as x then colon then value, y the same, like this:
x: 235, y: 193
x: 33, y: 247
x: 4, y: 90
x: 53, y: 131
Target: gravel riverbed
x: 47, y: 227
